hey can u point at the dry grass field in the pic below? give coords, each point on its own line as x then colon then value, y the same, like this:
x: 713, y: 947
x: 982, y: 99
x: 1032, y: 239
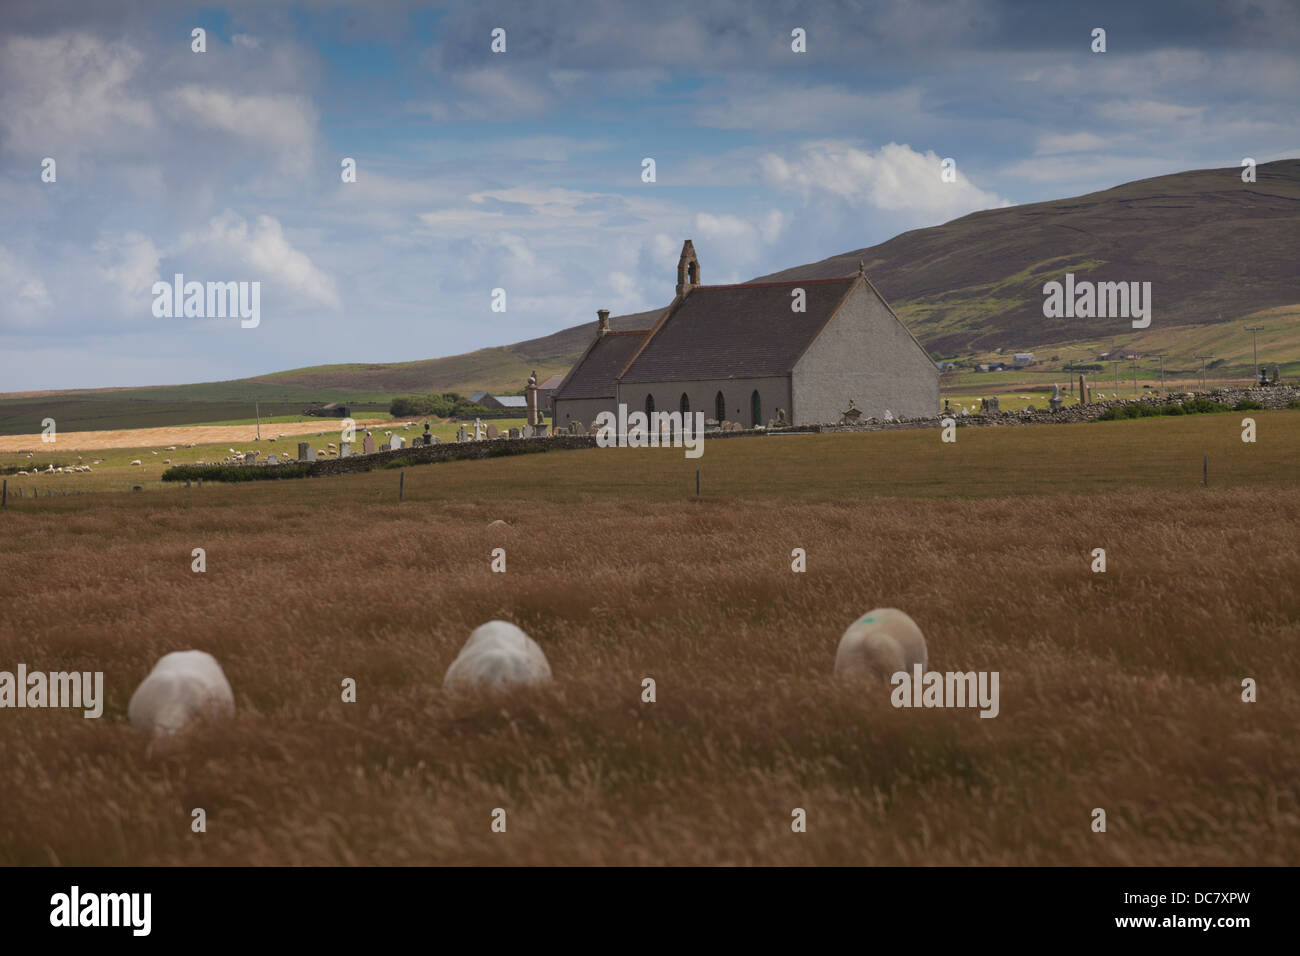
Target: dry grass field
x: 1119, y: 690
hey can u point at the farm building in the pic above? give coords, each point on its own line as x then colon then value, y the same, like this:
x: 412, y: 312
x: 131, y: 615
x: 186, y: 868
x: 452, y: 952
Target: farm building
x: 740, y: 352
x: 332, y: 410
x: 498, y: 402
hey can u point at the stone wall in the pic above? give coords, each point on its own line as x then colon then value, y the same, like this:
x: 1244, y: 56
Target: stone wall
x: 448, y: 451
x: 1280, y: 396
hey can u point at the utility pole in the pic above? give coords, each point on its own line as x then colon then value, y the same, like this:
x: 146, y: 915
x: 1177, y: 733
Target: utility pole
x: 1116, y: 365
x: 1203, y: 358
x: 257, y: 410
x: 1135, y: 376
x: 1255, y: 349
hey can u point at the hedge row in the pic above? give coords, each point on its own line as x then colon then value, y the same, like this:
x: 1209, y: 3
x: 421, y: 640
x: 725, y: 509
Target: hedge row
x: 236, y: 472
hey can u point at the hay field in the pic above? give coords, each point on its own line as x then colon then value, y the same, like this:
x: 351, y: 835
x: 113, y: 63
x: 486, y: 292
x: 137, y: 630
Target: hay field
x: 1118, y: 690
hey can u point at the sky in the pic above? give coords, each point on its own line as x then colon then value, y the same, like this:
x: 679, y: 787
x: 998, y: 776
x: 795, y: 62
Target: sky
x: 524, y: 170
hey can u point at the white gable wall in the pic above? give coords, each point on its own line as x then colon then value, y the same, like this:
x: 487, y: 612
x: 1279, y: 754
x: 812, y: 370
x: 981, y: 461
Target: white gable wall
x: 866, y: 354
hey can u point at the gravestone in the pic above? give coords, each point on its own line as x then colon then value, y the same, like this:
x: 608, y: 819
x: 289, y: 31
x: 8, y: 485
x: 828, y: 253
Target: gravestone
x: 385, y: 446
x: 303, y: 448
x: 345, y: 449
x: 397, y: 442
x: 428, y: 436
x: 478, y: 430
x: 515, y: 433
x: 1055, y: 402
x: 526, y: 431
x: 850, y: 415
x: 1085, y: 393
x: 271, y: 460
x: 990, y: 405
x: 492, y: 432
x: 250, y: 458
x: 311, y: 454
x: 461, y: 434
x: 433, y: 440
x: 368, y: 444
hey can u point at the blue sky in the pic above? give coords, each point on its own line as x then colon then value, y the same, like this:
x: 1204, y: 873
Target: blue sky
x: 522, y: 170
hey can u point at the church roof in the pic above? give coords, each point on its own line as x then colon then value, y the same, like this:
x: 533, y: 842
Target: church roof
x: 746, y: 331
x: 595, y: 373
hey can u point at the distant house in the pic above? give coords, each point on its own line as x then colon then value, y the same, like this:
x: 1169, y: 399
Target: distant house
x: 1021, y: 359
x: 1120, y: 354
x: 546, y: 389
x: 946, y: 366
x: 498, y: 402
x: 332, y: 410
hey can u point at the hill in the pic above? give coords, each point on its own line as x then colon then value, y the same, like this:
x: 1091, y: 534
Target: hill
x: 1220, y: 255
x: 1213, y: 248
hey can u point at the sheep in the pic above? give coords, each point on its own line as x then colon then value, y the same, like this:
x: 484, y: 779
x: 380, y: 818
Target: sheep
x: 136, y: 462
x: 882, y: 642
x: 497, y: 655
x: 183, y: 686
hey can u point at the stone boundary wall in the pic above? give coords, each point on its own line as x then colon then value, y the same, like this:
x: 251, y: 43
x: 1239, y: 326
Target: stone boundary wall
x: 447, y: 451
x: 1279, y: 396
x: 1274, y: 397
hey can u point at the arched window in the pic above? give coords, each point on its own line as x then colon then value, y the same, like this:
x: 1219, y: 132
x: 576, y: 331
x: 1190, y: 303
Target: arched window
x: 756, y: 408
x: 720, y: 408
x: 649, y: 405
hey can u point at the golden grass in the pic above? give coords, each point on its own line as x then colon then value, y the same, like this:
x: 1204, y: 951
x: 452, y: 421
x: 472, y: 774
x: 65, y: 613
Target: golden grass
x: 1119, y: 690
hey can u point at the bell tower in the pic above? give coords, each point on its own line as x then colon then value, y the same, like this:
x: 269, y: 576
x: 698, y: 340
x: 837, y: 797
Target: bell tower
x: 688, y: 269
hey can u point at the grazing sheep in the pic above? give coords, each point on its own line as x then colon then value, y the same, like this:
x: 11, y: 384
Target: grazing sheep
x: 167, y: 461
x: 882, y: 642
x: 183, y: 686
x: 497, y: 655
x: 136, y: 461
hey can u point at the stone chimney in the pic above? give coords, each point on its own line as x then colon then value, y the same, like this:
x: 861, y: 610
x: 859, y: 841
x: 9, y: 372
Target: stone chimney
x: 602, y: 323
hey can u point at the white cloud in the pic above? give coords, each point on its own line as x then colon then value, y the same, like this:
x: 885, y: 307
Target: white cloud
x: 265, y: 249
x: 284, y: 123
x: 894, y: 177
x: 66, y: 94
x: 760, y: 104
x: 129, y: 266
x: 1051, y: 144
x: 24, y: 299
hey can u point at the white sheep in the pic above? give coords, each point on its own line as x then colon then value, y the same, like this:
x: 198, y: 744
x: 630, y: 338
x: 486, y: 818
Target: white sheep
x: 497, y: 655
x: 882, y: 642
x: 183, y: 686
x: 136, y: 461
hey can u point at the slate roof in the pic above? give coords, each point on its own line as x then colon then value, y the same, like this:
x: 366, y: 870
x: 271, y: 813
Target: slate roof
x: 746, y: 331
x: 595, y: 373
x: 512, y: 401
x: 552, y: 382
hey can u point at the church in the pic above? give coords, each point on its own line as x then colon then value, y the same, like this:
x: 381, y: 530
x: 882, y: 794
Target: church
x: 741, y: 352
